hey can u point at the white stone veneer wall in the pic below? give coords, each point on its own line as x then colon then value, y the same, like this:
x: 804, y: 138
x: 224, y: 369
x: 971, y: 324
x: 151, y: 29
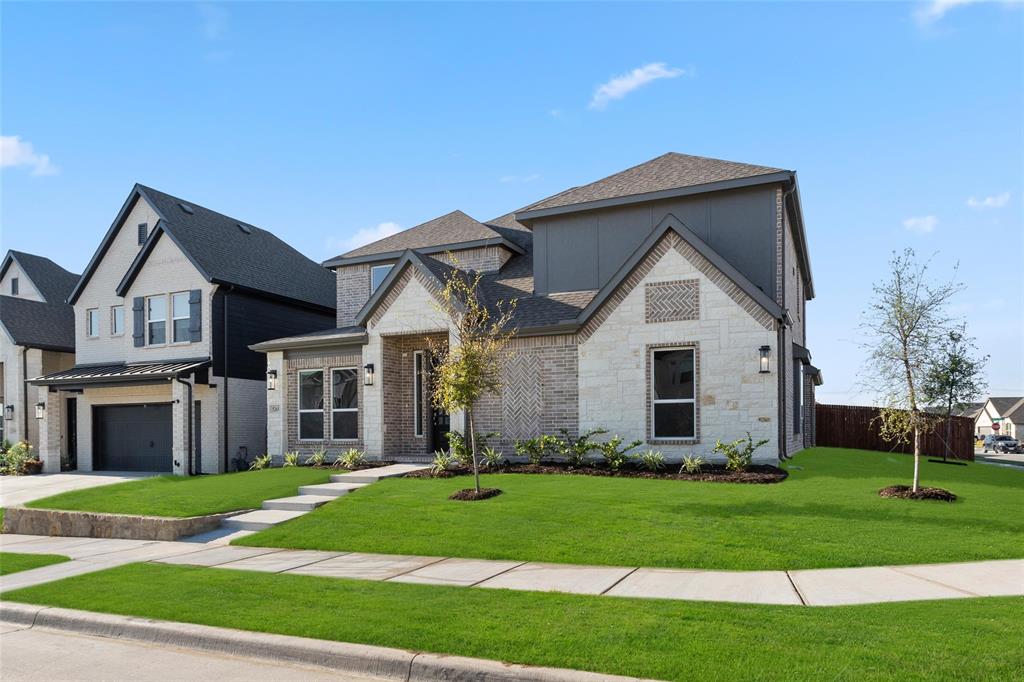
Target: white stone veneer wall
x: 734, y: 397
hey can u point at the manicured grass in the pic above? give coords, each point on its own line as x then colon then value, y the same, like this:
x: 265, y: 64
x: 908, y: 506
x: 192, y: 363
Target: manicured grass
x: 957, y: 639
x: 826, y: 514
x: 180, y: 496
x: 11, y: 562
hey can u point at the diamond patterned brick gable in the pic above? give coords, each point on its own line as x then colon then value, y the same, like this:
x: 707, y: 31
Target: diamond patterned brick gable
x: 672, y: 301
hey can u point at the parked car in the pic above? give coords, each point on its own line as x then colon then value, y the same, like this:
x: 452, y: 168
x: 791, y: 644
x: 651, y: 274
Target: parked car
x: 1000, y: 443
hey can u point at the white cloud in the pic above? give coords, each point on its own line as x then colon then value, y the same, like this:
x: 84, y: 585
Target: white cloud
x: 17, y: 152
x: 620, y: 86
x: 921, y: 224
x: 213, y: 20
x: 363, y: 236
x: 555, y: 113
x: 519, y: 178
x: 995, y: 201
x: 931, y: 11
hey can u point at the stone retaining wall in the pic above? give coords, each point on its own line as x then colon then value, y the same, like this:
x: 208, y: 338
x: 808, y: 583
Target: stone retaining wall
x: 25, y: 521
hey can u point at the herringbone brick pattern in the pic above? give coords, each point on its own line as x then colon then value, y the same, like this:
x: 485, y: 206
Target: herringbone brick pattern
x: 672, y: 301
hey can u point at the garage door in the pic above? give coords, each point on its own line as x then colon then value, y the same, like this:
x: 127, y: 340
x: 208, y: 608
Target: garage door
x: 132, y: 437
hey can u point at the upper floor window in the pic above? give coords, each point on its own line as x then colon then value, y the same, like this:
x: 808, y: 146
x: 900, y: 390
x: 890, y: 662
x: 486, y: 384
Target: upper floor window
x: 143, y: 233
x: 156, y: 320
x: 180, y: 318
x: 377, y: 275
x: 116, y: 320
x: 14, y: 286
x: 673, y: 393
x: 92, y: 322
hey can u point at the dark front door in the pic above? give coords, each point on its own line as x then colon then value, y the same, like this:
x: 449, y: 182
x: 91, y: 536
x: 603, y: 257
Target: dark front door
x: 440, y: 421
x: 71, y: 427
x: 132, y: 438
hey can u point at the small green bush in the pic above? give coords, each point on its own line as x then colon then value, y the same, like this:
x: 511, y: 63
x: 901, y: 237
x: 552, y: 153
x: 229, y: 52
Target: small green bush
x: 15, y: 460
x: 739, y: 454
x: 459, y: 447
x: 291, y: 459
x: 538, y: 448
x: 318, y: 458
x: 652, y: 460
x: 615, y: 454
x: 351, y: 459
x: 692, y: 464
x: 442, y: 462
x: 491, y: 458
x: 576, y: 449
x: 261, y: 462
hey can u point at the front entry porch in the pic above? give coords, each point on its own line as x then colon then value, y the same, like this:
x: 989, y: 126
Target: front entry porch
x: 412, y: 429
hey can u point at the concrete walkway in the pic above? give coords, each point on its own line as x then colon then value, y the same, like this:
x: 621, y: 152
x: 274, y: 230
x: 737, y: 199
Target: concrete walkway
x: 817, y: 587
x: 18, y: 490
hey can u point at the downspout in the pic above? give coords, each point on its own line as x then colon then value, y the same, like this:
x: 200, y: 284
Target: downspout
x: 783, y: 433
x: 224, y: 418
x: 188, y: 423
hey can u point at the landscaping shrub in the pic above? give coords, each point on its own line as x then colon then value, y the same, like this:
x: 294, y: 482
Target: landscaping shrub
x: 538, y: 448
x: 652, y: 460
x: 491, y: 458
x: 19, y: 459
x: 353, y: 458
x: 442, y: 462
x: 739, y: 454
x: 318, y: 458
x: 615, y: 454
x: 576, y: 449
x: 459, y: 448
x: 692, y: 464
x: 262, y: 462
x: 291, y: 459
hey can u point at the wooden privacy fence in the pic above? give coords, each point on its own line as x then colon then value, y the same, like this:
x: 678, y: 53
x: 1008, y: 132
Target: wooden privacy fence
x: 852, y: 426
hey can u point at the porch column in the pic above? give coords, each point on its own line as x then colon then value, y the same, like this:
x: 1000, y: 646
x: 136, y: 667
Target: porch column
x: 373, y: 400
x: 179, y: 429
x: 49, y: 428
x: 277, y: 412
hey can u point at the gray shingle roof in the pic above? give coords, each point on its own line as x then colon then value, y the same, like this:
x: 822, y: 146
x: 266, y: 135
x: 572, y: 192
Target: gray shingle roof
x: 254, y: 259
x: 53, y: 282
x: 1016, y: 413
x: 668, y: 171
x: 452, y: 228
x: 49, y: 326
x: 1003, y: 405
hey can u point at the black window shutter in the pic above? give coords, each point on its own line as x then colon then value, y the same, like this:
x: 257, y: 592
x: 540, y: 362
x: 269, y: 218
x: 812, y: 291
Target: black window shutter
x: 139, y: 321
x: 195, y: 314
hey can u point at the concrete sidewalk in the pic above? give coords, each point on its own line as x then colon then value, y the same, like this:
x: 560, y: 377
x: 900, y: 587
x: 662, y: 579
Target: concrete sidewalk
x: 19, y: 490
x: 817, y: 587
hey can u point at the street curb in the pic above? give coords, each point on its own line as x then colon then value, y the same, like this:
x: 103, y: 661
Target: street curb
x: 357, y: 659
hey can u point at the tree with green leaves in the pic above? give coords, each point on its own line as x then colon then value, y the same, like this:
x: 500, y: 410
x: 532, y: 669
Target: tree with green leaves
x: 905, y: 322
x: 470, y: 365
x: 955, y: 377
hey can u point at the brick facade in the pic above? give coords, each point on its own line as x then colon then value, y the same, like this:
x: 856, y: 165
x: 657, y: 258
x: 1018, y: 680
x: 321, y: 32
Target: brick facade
x: 297, y: 360
x: 398, y: 386
x: 482, y: 259
x: 353, y: 291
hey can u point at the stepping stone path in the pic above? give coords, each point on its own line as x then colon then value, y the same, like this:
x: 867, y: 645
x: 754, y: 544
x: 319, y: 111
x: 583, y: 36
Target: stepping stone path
x: 312, y: 496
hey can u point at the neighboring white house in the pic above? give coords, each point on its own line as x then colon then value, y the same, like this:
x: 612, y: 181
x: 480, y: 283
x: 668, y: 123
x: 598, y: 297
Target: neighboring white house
x: 1008, y: 413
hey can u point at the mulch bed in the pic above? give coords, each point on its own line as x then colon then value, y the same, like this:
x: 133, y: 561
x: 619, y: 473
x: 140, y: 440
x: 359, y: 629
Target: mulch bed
x: 904, y: 492
x: 470, y: 494
x: 758, y: 473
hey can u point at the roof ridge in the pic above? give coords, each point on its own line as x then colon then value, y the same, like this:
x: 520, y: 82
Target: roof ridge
x: 194, y: 204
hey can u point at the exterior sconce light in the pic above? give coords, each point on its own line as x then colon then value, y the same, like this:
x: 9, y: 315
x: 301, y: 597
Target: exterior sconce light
x: 40, y: 410
x: 368, y: 374
x: 9, y: 412
x: 762, y: 353
x: 271, y: 379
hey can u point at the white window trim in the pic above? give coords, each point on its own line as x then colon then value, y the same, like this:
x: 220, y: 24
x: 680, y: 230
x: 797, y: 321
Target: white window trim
x: 145, y: 304
x: 344, y: 409
x: 311, y: 410
x: 170, y: 310
x: 88, y: 318
x: 418, y: 358
x: 666, y: 401
x: 113, y: 331
x: 377, y: 267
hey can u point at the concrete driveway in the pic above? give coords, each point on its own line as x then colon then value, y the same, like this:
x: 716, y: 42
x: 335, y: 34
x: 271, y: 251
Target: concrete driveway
x: 15, y: 490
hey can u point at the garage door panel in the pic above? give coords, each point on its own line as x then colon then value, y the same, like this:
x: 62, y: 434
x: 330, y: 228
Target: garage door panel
x: 133, y: 437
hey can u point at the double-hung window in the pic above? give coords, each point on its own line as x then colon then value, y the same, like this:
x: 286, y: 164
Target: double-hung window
x: 116, y: 320
x: 92, y: 322
x: 156, y: 320
x: 345, y: 403
x: 180, y: 317
x: 673, y: 393
x: 311, y: 404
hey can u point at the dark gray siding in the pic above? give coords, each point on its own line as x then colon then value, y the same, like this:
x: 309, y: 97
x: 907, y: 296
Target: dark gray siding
x: 583, y: 251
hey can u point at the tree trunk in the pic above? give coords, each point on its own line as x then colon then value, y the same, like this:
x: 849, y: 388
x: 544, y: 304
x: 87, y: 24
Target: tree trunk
x: 949, y: 436
x: 472, y: 448
x: 917, y: 458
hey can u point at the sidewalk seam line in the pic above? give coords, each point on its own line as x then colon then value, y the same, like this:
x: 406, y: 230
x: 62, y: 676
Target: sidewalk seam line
x: 934, y: 582
x: 492, y: 577
x: 411, y: 570
x: 408, y: 673
x: 606, y: 590
x: 799, y: 594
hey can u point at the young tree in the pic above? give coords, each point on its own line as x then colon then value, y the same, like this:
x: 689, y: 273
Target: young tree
x: 905, y: 321
x: 954, y: 377
x: 471, y: 365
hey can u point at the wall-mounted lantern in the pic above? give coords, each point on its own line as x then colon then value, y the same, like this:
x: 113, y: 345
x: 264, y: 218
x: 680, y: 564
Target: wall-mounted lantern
x: 368, y: 374
x: 9, y: 412
x: 763, y: 353
x: 40, y: 410
x: 271, y: 379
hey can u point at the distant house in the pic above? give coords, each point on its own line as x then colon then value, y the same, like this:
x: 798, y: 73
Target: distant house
x: 665, y: 303
x: 1008, y: 413
x: 37, y: 335
x: 163, y: 379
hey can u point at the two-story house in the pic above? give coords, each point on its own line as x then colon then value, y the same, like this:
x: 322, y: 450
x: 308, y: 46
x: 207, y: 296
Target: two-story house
x: 665, y: 303
x: 37, y: 335
x: 163, y: 379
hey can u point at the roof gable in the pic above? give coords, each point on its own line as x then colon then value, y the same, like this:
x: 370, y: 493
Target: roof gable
x: 433, y: 272
x: 34, y: 324
x: 53, y: 282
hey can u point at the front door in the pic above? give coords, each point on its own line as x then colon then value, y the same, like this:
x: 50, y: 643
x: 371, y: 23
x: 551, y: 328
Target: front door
x: 440, y: 420
x: 71, y: 410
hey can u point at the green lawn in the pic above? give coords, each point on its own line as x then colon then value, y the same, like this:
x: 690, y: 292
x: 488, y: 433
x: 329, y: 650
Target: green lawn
x: 980, y: 639
x: 180, y: 496
x: 11, y: 562
x: 826, y: 514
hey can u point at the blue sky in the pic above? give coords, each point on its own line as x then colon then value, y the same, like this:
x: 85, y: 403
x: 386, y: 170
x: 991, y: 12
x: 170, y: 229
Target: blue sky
x: 327, y: 123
